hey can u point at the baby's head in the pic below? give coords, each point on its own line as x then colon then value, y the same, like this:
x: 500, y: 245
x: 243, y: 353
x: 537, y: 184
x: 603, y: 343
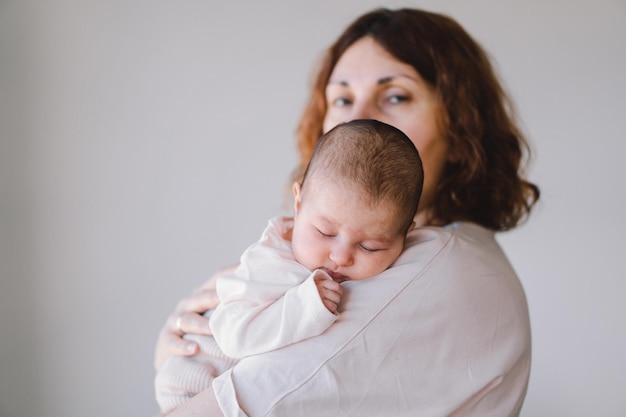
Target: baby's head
x: 357, y: 200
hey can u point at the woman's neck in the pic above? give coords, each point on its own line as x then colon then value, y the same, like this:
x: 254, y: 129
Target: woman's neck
x: 421, y: 217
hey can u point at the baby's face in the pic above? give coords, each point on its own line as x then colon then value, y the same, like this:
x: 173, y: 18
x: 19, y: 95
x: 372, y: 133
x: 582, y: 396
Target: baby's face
x: 335, y: 230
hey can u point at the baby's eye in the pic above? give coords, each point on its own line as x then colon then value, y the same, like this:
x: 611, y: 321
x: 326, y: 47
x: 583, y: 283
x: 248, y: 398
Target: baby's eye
x: 367, y: 249
x: 326, y: 235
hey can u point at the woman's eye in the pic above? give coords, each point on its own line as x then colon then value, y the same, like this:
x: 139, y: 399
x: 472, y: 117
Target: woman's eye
x: 341, y: 102
x: 397, y: 98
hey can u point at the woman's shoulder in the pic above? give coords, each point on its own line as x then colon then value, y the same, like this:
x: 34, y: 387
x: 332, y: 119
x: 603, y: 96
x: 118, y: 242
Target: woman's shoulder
x: 457, y: 230
x: 435, y: 236
x: 463, y: 249
x: 456, y: 237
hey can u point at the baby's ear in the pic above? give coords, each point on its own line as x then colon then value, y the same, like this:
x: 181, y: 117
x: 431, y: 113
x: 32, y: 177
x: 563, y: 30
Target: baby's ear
x: 297, y: 196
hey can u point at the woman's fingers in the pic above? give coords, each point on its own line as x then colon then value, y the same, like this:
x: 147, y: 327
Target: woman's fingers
x: 204, y: 299
x: 171, y: 343
x: 187, y: 318
x: 190, y: 322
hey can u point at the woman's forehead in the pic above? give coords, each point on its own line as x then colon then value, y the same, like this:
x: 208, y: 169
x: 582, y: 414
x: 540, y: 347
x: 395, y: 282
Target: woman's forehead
x: 368, y: 59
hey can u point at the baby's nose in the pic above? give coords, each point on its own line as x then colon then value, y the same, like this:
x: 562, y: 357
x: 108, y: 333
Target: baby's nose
x: 342, y: 255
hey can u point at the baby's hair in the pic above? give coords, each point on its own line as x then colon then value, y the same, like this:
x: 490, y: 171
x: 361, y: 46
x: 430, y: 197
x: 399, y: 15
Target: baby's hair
x: 375, y: 158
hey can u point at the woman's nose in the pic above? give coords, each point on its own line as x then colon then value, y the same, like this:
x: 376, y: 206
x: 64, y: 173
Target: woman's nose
x: 341, y: 255
x: 363, y: 110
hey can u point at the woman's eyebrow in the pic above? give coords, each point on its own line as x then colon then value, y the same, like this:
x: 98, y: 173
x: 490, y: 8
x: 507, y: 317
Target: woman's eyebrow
x: 380, y: 81
x: 342, y: 83
x: 385, y: 80
x: 345, y: 83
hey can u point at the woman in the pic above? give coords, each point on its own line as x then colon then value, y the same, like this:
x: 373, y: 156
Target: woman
x: 446, y: 331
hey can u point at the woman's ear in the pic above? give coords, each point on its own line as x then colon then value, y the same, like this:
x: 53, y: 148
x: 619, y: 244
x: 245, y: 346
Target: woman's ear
x: 297, y: 196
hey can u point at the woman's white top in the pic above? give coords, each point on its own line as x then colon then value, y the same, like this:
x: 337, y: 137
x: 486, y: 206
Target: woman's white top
x: 445, y: 332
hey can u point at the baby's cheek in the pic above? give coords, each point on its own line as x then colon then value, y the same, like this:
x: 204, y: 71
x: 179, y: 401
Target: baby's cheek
x: 306, y: 253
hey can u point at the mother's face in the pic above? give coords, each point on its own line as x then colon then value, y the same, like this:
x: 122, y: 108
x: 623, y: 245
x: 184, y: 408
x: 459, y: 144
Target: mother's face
x: 369, y: 83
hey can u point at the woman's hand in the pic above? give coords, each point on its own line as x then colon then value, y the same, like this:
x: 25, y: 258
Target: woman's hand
x: 187, y: 318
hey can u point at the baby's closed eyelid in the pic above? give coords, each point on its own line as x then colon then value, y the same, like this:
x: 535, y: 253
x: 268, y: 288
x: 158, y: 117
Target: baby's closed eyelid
x: 369, y: 249
x: 326, y: 235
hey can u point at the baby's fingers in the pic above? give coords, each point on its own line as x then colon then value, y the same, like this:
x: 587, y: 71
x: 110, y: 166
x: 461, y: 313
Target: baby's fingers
x: 330, y: 305
x: 330, y: 295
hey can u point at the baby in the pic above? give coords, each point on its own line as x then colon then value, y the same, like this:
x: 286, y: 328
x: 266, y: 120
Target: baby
x: 353, y: 210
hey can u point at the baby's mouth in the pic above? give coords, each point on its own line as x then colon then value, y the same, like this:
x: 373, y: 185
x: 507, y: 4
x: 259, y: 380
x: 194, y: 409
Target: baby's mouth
x: 336, y: 276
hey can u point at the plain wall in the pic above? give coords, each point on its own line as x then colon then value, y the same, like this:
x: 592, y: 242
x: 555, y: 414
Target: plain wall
x: 144, y: 144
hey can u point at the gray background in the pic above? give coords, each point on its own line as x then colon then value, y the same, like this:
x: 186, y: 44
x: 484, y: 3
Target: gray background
x: 144, y: 144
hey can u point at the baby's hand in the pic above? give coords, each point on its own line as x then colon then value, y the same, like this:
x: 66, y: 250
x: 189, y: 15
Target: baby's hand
x: 330, y: 293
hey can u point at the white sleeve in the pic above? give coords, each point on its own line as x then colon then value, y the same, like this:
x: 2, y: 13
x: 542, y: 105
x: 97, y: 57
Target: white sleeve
x: 243, y: 327
x: 270, y: 301
x: 444, y: 332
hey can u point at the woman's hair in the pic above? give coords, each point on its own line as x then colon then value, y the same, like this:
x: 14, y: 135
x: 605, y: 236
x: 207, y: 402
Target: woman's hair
x: 374, y: 159
x: 482, y: 181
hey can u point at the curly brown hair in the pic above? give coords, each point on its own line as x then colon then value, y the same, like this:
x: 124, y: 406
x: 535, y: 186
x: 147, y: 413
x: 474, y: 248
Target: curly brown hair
x: 482, y: 180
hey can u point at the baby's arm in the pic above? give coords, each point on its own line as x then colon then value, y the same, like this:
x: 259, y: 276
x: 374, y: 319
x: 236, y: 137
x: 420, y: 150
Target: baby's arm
x: 271, y: 300
x: 330, y: 292
x: 244, y: 326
